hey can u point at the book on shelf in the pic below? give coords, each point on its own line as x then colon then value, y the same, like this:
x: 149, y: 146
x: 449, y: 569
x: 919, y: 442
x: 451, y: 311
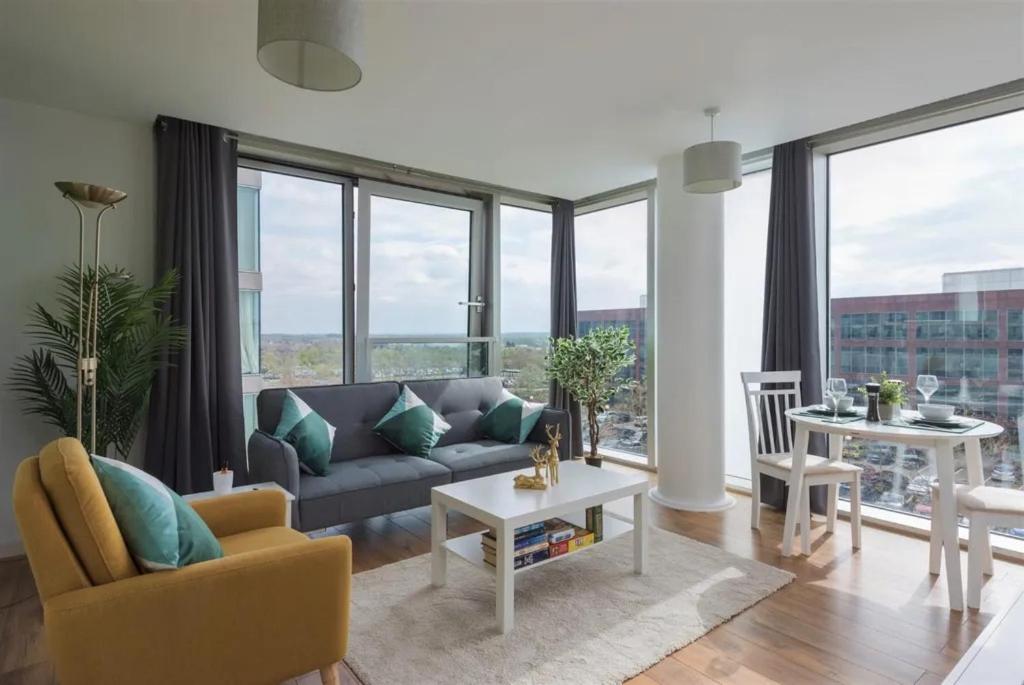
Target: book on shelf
x: 595, y: 522
x: 542, y: 544
x: 558, y: 530
x: 521, y: 560
x: 581, y: 538
x: 520, y: 542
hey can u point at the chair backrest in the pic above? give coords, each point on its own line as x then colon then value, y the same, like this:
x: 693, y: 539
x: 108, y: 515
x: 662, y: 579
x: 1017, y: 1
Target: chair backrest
x: 768, y: 395
x: 54, y: 565
x: 63, y: 477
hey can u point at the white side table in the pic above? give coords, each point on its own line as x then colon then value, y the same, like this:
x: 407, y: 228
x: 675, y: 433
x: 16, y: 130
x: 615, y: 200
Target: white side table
x: 288, y: 497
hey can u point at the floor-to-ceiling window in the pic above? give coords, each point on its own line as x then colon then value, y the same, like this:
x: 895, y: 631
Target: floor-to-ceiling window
x: 927, y: 277
x: 746, y: 238
x: 611, y: 287
x: 525, y: 300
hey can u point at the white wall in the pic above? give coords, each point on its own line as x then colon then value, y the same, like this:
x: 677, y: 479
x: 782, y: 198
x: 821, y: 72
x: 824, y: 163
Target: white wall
x: 39, y: 236
x: 746, y: 239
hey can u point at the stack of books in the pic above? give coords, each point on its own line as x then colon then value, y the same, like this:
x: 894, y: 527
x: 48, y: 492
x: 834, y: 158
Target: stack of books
x: 531, y: 545
x: 565, y: 538
x: 539, y: 541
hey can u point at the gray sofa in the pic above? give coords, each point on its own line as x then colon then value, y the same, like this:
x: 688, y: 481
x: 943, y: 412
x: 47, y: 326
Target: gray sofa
x: 367, y: 475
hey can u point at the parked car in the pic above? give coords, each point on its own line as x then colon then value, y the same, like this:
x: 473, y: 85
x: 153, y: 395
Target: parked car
x: 1004, y: 472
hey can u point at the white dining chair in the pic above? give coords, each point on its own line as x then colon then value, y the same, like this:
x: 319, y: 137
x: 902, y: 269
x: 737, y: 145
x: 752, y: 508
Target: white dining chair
x: 935, y: 534
x: 768, y: 395
x: 986, y: 507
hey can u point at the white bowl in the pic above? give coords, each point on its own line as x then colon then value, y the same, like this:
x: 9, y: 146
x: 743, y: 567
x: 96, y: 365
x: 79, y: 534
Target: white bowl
x: 844, y: 404
x: 936, y: 412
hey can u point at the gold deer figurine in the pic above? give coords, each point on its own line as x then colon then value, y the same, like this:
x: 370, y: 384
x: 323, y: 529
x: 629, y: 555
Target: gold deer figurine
x: 536, y: 481
x: 553, y: 452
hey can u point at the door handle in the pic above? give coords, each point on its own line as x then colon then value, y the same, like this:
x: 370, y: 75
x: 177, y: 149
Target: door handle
x: 479, y: 303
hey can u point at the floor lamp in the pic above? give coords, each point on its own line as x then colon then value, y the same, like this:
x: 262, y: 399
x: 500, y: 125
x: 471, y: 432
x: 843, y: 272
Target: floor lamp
x: 83, y: 196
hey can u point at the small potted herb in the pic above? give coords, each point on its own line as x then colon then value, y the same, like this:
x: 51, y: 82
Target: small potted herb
x: 223, y: 480
x: 891, y: 396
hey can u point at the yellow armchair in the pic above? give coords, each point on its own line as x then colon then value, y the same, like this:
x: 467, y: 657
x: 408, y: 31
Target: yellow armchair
x: 274, y: 607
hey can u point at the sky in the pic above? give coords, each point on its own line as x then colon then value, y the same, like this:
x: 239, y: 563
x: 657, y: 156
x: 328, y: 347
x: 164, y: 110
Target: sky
x: 902, y: 214
x: 905, y: 212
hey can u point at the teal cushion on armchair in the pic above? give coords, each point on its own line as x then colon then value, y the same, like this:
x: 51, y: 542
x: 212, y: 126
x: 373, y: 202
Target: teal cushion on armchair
x: 161, y: 530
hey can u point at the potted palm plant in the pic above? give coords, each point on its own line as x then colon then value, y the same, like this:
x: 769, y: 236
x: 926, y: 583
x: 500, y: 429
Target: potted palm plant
x: 590, y: 368
x: 132, y: 336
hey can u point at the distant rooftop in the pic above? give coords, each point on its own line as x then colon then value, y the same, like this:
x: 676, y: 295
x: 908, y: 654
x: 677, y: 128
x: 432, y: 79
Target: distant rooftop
x: 981, y: 281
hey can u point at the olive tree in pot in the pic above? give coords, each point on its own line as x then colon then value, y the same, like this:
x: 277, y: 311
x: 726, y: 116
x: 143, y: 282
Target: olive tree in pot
x: 590, y: 368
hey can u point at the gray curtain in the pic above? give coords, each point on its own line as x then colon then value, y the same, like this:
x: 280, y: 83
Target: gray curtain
x: 563, y: 306
x: 195, y: 418
x: 790, y: 336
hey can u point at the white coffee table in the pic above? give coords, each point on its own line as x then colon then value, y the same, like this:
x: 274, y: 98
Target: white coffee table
x: 288, y: 497
x: 494, y: 502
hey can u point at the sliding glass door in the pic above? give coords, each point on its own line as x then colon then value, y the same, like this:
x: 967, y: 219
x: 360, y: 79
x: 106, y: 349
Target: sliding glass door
x: 421, y: 310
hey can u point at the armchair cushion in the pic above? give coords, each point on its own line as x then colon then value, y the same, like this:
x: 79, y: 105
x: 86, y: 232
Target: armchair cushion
x: 260, y: 538
x: 162, y: 531
x: 83, y: 511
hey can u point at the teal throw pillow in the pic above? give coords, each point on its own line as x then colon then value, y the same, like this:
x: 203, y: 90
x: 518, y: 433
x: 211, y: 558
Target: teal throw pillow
x: 161, y: 530
x: 511, y: 419
x: 308, y: 432
x: 411, y: 426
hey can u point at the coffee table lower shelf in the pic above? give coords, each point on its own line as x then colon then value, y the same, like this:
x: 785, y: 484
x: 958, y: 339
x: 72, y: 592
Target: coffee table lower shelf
x: 469, y: 546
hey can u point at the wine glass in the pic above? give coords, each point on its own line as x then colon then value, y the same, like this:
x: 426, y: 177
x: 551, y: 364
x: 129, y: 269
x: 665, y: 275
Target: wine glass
x: 836, y: 390
x: 927, y: 385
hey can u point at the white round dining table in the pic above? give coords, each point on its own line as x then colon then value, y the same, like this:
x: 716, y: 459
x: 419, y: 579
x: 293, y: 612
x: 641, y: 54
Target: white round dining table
x: 942, y: 444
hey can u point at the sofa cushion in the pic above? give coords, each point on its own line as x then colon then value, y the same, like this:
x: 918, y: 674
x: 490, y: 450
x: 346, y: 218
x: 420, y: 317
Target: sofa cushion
x: 306, y: 431
x: 261, y: 538
x: 83, y: 511
x: 162, y: 531
x: 352, y: 409
x: 482, y: 458
x: 460, y: 402
x: 368, y: 473
x: 411, y: 426
x: 512, y: 419
x: 370, y: 486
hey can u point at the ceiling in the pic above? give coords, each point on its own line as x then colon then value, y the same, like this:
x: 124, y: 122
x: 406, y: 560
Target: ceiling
x: 557, y: 97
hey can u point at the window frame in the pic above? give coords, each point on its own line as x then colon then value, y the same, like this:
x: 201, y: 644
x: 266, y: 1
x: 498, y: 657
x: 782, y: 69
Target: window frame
x: 479, y: 327
x: 347, y: 185
x: 868, y: 135
x: 610, y: 201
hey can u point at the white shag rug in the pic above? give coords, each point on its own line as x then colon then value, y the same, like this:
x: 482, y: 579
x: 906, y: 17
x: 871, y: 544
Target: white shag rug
x: 586, y: 619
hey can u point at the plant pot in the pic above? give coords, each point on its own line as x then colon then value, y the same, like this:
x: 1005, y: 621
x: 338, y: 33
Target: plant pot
x: 888, y: 412
x: 594, y: 461
x: 222, y: 482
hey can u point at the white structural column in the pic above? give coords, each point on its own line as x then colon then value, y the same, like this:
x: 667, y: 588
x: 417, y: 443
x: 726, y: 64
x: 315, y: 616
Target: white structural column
x: 689, y: 339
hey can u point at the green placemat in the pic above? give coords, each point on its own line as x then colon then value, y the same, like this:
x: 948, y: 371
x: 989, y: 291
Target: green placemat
x: 828, y: 419
x: 900, y: 423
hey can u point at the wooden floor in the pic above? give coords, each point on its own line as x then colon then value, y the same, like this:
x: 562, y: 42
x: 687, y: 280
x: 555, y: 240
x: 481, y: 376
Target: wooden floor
x: 874, y: 616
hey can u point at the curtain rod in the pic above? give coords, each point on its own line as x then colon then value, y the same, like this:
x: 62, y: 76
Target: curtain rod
x: 354, y: 165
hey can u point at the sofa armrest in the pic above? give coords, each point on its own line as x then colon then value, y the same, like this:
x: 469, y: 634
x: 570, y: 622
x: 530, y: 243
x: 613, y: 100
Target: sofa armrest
x: 552, y: 416
x: 273, y: 459
x: 262, y: 616
x: 242, y: 511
